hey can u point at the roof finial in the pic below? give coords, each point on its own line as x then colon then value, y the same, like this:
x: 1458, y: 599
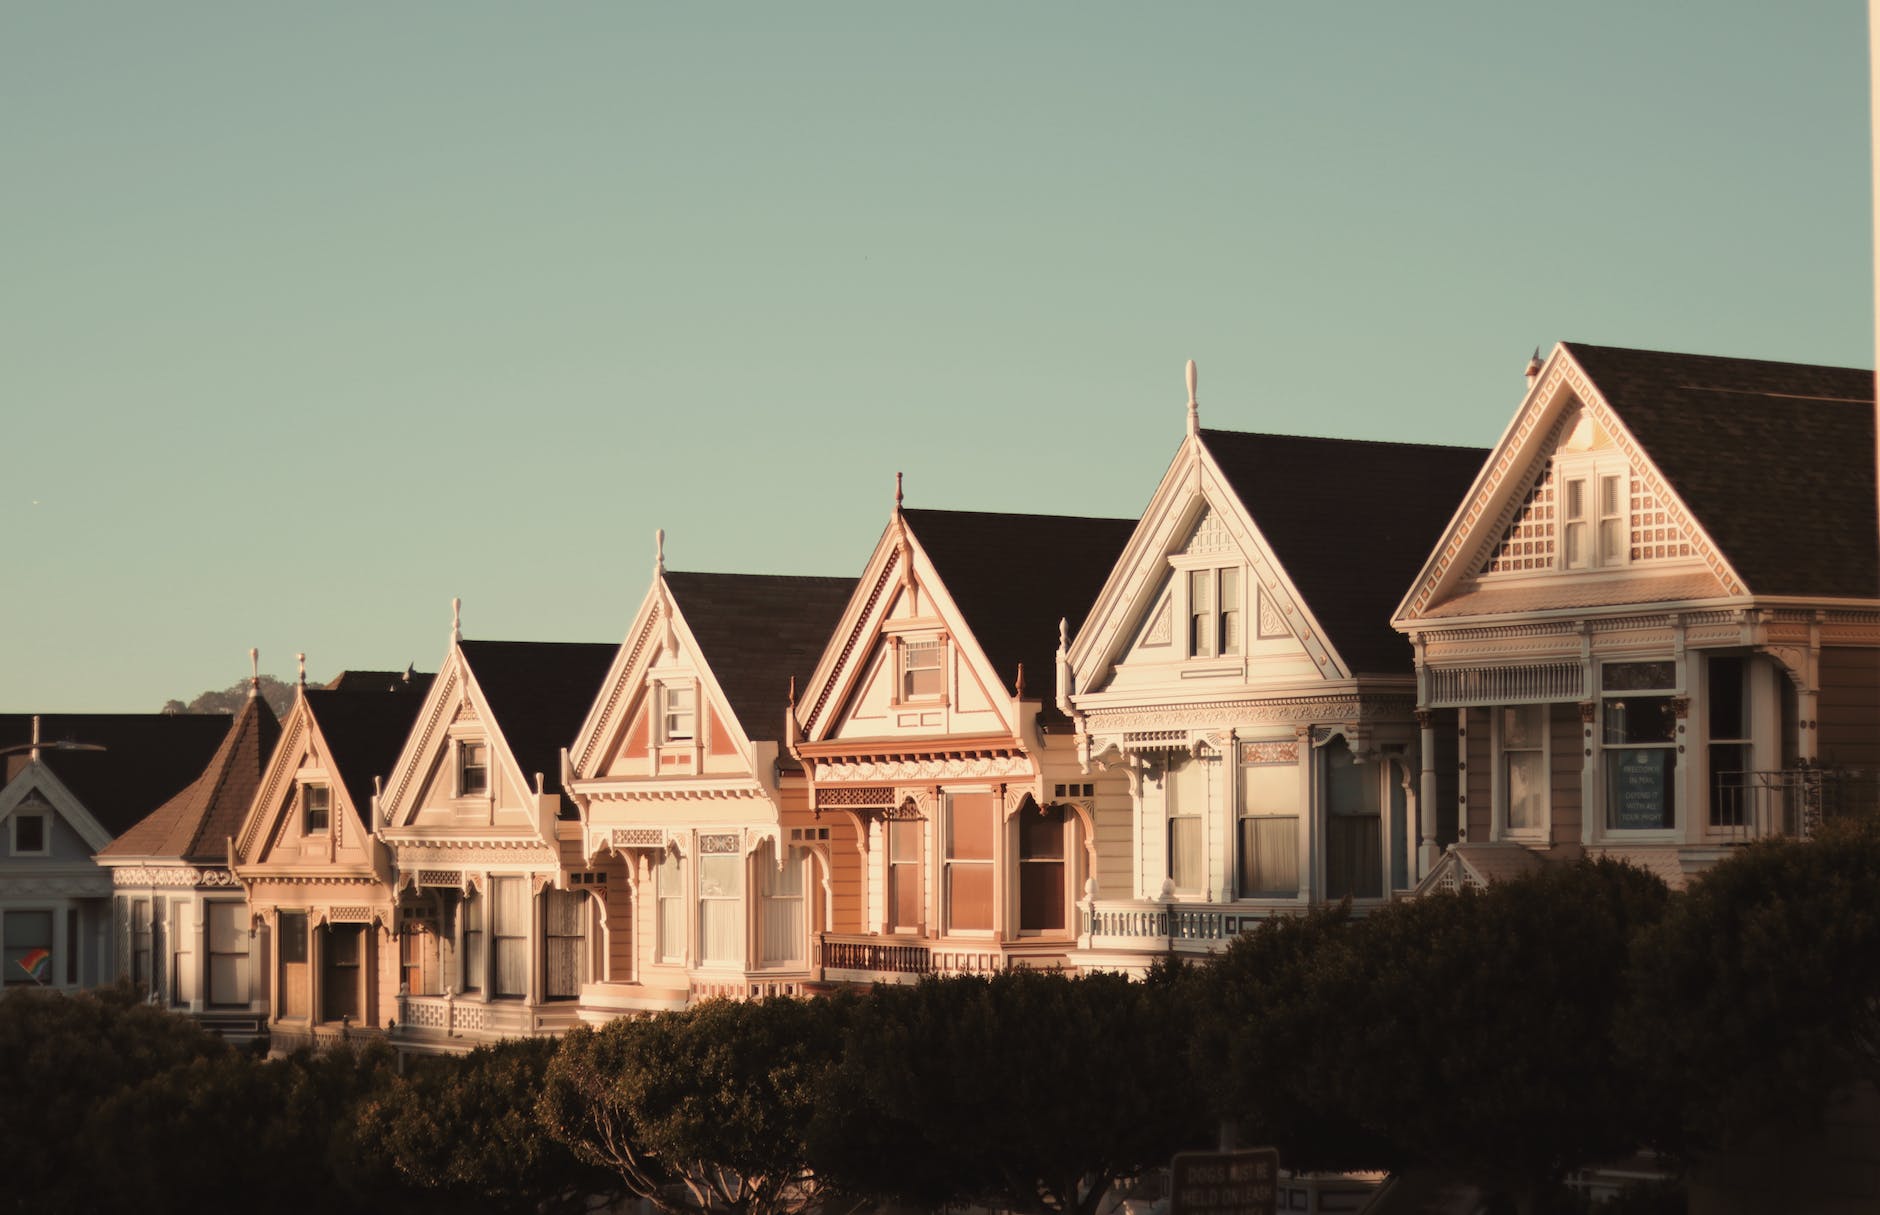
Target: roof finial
x: 793, y: 691
x: 302, y: 660
x: 254, y: 672
x: 1194, y: 409
x: 456, y: 620
x: 659, y: 551
x: 897, y: 493
x: 1534, y: 366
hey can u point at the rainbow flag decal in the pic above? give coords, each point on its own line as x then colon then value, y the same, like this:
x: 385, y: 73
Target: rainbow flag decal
x: 37, y: 963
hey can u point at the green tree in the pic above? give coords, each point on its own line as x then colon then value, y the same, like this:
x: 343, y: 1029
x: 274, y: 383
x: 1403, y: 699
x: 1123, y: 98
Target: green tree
x: 1026, y: 1091
x: 703, y: 1109
x: 1757, y: 999
x: 277, y: 692
x: 464, y: 1129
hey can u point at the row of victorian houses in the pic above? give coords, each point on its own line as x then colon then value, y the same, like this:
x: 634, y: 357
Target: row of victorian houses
x: 1645, y: 624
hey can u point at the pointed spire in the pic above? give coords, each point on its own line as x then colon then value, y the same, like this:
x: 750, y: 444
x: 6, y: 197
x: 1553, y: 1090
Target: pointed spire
x: 1534, y: 366
x: 456, y: 621
x: 302, y: 660
x: 411, y: 668
x: 254, y: 672
x: 1194, y: 409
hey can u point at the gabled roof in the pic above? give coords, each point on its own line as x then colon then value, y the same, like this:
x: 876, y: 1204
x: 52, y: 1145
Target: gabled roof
x: 757, y: 632
x: 1350, y: 521
x: 1775, y: 460
x: 364, y: 725
x: 147, y: 757
x: 1015, y: 576
x: 197, y: 823
x: 539, y: 692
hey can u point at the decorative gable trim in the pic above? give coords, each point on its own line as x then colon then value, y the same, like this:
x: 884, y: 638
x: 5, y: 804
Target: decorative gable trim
x: 296, y: 733
x: 600, y: 721
x: 840, y: 663
x: 37, y: 776
x: 1518, y: 462
x: 443, y: 695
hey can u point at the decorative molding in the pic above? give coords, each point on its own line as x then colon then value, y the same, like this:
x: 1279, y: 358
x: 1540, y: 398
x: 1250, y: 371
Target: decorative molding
x: 925, y: 770
x: 1272, y: 621
x: 170, y: 876
x: 73, y: 887
x: 268, y: 800
x: 437, y: 853
x: 854, y: 795
x: 350, y: 915
x: 848, y: 646
x: 1502, y: 685
x: 637, y: 837
x: 441, y: 699
x: 1269, y: 753
x: 1208, y: 536
x: 1216, y: 714
x: 720, y: 844
x: 619, y: 688
x: 440, y: 877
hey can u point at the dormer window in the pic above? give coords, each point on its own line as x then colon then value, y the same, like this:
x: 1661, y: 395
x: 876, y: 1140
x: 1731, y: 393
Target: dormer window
x: 680, y: 713
x: 1214, y: 620
x: 473, y: 769
x: 316, y: 804
x: 923, y: 669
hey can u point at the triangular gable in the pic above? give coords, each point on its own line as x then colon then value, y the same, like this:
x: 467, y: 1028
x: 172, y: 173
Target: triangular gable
x: 420, y: 784
x: 1194, y: 513
x: 1508, y: 522
x: 270, y: 833
x: 36, y: 777
x: 617, y: 736
x: 901, y: 597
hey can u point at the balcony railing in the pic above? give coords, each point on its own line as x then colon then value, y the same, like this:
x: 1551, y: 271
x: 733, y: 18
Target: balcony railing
x: 1158, y: 927
x: 1789, y: 802
x: 892, y: 956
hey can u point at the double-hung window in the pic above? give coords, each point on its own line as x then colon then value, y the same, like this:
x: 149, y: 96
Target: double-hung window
x: 669, y: 885
x: 970, y: 824
x: 316, y: 808
x: 1214, y: 614
x: 1522, y: 741
x: 228, y: 954
x: 781, y: 907
x: 720, y: 900
x: 904, y: 894
x: 1727, y: 701
x: 680, y: 712
x: 1185, y: 798
x: 30, y: 834
x: 1638, y: 744
x: 473, y: 768
x: 923, y: 674
x: 1041, y: 864
x: 1269, y: 830
x: 509, y: 935
x: 563, y: 914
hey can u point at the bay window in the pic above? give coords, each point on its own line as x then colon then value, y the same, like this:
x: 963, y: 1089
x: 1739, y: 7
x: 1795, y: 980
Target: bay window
x: 720, y: 901
x: 781, y: 906
x: 1269, y: 830
x: 1521, y: 742
x: 509, y: 936
x: 904, y: 898
x: 1041, y: 869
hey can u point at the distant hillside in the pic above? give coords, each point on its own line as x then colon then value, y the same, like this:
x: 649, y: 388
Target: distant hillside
x: 278, y: 693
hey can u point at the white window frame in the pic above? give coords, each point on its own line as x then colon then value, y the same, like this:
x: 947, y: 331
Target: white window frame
x: 669, y: 915
x: 728, y: 904
x: 1216, y: 629
x: 56, y: 965
x: 669, y: 692
x: 461, y: 751
x: 1591, y: 471
x: 1541, y: 831
x: 306, y: 809
x: 34, y: 810
x: 1064, y: 861
x: 1677, y: 764
x: 950, y: 864
x: 905, y: 647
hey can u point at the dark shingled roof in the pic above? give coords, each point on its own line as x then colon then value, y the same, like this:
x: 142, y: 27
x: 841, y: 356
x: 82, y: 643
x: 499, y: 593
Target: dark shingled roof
x: 196, y: 824
x: 1351, y: 522
x: 1015, y: 576
x: 539, y: 691
x: 369, y: 681
x: 365, y: 727
x: 1776, y: 460
x: 757, y: 632
x: 147, y: 759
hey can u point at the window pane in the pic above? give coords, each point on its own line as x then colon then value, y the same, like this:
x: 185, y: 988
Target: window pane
x: 1230, y: 611
x: 1522, y: 727
x: 718, y: 875
x: 1638, y: 788
x: 721, y: 931
x: 29, y: 832
x: 1632, y: 720
x: 903, y: 896
x: 1269, y: 856
x: 904, y: 840
x: 1728, y: 786
x: 1184, y: 852
x: 29, y: 959
x: 923, y: 668
x: 1727, y: 701
x: 1525, y: 776
x: 1041, y: 836
x: 1041, y: 896
x: 562, y: 940
x: 969, y: 827
x: 969, y: 897
x: 1354, y: 862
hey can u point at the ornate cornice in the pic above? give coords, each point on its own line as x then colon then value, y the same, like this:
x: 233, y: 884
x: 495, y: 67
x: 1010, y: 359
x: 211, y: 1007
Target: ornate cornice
x: 71, y: 887
x: 470, y: 852
x: 173, y: 876
x: 922, y: 770
x: 1292, y: 710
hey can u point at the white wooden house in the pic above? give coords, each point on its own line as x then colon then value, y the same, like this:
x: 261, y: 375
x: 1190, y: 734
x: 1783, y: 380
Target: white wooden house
x: 1238, y: 667
x: 1654, y: 620
x: 496, y: 935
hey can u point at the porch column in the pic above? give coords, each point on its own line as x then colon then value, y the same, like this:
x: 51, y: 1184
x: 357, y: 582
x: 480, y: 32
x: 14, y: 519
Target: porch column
x: 199, y: 1001
x: 1427, y: 852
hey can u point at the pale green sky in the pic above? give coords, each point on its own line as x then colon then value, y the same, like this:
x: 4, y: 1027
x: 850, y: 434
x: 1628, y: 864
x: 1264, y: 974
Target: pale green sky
x: 313, y: 316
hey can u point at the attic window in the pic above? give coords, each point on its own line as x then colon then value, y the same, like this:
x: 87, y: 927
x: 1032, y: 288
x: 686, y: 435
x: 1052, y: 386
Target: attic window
x: 1213, y: 612
x: 473, y: 769
x: 681, y: 713
x: 29, y: 834
x: 315, y: 807
x: 923, y: 669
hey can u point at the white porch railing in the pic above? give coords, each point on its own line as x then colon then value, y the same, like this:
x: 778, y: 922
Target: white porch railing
x: 1154, y: 927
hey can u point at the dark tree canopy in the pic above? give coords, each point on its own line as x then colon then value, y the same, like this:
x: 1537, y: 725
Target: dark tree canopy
x: 277, y: 692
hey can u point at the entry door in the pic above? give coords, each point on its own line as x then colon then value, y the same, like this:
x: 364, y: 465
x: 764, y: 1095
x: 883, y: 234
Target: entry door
x: 342, y: 972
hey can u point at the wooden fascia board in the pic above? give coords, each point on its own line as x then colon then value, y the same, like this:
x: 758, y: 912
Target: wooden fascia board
x: 613, y: 704
x: 1542, y: 394
x: 721, y: 706
x: 399, y: 798
x: 258, y: 824
x: 1097, y: 646
x: 823, y: 694
x: 918, y: 745
x: 37, y: 775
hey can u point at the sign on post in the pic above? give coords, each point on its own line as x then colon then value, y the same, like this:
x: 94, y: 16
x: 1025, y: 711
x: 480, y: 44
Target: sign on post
x: 1245, y: 1182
